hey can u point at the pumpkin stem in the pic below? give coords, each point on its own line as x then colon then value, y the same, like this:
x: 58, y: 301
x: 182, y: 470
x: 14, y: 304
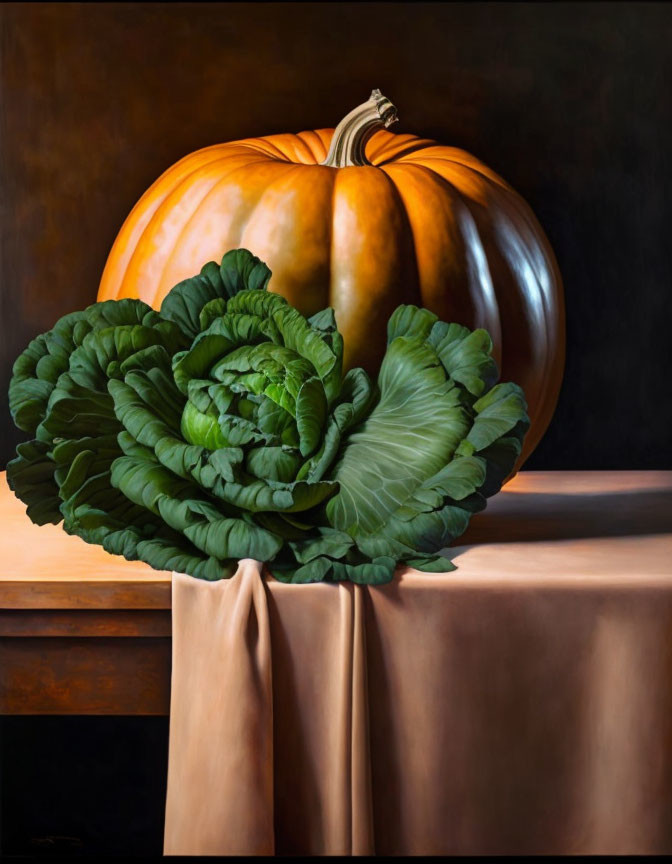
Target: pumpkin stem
x: 355, y: 129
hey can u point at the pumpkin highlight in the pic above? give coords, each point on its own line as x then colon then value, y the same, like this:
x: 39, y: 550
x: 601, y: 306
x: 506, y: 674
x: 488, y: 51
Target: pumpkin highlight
x: 362, y: 220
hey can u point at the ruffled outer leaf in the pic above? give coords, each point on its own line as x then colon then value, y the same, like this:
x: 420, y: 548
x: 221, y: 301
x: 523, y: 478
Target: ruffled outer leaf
x: 31, y: 476
x: 428, y: 454
x: 239, y: 270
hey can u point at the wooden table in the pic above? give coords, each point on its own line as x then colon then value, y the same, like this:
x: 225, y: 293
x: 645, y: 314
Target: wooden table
x: 84, y: 632
x: 81, y: 631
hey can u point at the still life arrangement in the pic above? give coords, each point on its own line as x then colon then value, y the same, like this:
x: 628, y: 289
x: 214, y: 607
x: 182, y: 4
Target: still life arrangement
x: 237, y: 420
x: 276, y: 418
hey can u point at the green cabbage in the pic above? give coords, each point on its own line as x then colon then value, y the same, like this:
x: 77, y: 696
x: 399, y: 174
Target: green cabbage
x: 223, y: 427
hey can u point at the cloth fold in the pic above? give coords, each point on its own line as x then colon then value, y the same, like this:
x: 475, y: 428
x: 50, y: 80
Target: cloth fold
x: 221, y: 782
x: 220, y: 768
x: 320, y: 704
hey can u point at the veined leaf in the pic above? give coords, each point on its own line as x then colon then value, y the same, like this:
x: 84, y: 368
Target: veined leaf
x: 410, y: 435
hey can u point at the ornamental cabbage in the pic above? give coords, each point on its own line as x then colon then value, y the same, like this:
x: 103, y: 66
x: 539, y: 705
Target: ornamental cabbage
x: 223, y: 427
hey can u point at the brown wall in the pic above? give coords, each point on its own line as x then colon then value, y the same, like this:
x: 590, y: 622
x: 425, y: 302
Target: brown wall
x: 569, y: 102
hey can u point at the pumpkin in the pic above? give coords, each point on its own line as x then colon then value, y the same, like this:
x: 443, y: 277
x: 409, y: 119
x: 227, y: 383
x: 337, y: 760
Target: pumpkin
x: 361, y: 219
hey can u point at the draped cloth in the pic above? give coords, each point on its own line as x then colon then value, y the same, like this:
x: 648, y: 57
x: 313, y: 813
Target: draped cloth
x: 521, y: 704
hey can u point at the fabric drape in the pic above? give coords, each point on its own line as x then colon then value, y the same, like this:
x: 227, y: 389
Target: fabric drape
x: 521, y: 704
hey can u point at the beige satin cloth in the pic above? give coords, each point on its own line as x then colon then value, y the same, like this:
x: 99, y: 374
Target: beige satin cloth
x: 520, y: 705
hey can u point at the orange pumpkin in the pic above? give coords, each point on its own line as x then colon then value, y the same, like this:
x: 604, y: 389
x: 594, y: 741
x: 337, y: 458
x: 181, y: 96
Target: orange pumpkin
x: 361, y: 219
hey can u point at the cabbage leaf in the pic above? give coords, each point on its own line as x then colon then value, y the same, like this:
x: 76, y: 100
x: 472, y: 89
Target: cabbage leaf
x: 222, y: 427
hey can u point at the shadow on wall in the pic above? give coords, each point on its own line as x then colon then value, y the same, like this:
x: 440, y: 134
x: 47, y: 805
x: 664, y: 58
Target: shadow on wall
x: 530, y: 516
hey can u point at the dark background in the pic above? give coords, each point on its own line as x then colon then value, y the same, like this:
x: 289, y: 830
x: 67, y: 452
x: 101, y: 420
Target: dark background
x: 569, y: 102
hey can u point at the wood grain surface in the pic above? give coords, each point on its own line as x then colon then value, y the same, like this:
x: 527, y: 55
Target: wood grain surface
x: 45, y: 568
x: 84, y: 675
x: 84, y: 622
